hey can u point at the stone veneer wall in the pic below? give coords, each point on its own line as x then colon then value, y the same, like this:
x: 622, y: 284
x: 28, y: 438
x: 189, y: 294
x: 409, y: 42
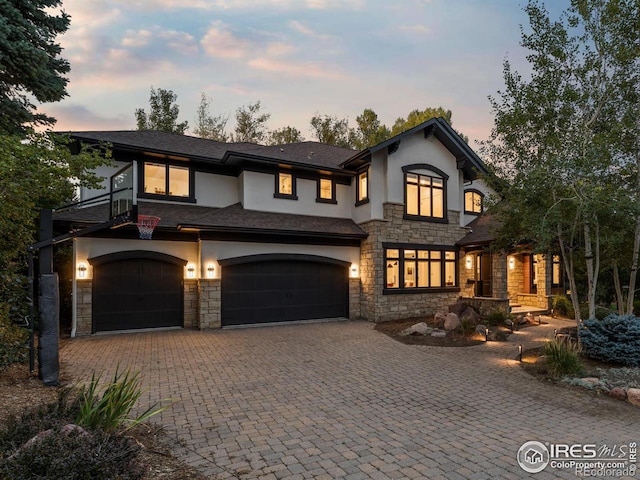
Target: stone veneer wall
x: 354, y: 298
x: 515, y: 278
x: 84, y: 307
x: 190, y: 303
x: 210, y: 304
x: 394, y: 228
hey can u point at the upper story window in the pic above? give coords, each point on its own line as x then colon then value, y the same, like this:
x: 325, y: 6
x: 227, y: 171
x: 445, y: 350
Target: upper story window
x: 425, y: 193
x: 167, y: 180
x: 326, y: 191
x: 362, y: 187
x: 411, y: 267
x: 556, y: 271
x: 285, y: 186
x: 473, y: 202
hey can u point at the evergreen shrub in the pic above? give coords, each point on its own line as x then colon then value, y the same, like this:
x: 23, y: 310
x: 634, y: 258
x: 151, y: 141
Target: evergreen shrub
x: 615, y: 339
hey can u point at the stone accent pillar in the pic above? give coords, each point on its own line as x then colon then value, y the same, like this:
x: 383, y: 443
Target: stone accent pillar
x: 84, y: 307
x: 499, y: 266
x: 354, y: 298
x: 190, y: 303
x: 209, y: 314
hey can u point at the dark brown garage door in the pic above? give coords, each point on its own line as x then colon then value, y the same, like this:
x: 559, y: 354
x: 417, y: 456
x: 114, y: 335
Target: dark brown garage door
x: 283, y: 290
x: 137, y: 293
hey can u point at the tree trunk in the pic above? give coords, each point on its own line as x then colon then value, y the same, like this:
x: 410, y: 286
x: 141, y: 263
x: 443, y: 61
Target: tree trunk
x: 592, y: 258
x: 618, y: 287
x: 567, y: 259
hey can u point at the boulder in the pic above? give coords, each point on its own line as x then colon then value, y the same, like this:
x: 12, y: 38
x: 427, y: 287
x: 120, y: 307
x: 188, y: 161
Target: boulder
x: 451, y: 322
x: 480, y: 328
x: 471, y: 315
x: 438, y: 333
x: 66, y: 430
x: 618, y: 393
x: 439, y: 319
x: 633, y: 395
x: 458, y: 308
x: 418, y: 329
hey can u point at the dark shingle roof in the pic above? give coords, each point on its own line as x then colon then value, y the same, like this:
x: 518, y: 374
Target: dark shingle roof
x: 306, y: 153
x: 481, y: 233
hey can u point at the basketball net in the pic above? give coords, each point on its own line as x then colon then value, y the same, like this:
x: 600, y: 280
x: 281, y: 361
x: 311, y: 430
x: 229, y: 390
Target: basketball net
x: 146, y: 224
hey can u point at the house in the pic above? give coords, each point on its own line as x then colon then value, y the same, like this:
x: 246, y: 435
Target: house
x: 253, y: 234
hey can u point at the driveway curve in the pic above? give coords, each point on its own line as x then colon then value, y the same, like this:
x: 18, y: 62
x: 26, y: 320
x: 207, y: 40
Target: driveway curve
x: 340, y: 400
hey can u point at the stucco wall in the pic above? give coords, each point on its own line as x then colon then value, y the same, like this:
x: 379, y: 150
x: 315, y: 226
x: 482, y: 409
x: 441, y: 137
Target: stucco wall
x: 216, y: 190
x: 104, y: 171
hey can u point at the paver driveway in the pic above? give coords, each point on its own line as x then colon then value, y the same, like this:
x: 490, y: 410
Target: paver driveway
x: 340, y: 400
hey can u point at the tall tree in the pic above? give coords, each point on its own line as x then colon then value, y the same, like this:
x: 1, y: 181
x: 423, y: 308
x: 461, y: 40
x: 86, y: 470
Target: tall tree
x: 163, y: 114
x: 331, y: 130
x: 416, y: 117
x: 284, y: 135
x: 30, y: 63
x: 206, y: 126
x: 370, y: 131
x: 556, y: 135
x: 251, y: 125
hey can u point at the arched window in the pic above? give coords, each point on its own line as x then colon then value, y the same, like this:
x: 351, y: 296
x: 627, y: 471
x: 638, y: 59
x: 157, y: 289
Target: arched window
x: 473, y: 202
x: 425, y: 193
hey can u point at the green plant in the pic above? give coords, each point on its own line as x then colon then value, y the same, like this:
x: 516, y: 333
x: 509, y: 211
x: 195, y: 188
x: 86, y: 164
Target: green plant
x: 562, y: 358
x: 110, y: 410
x: 467, y: 326
x: 616, y: 339
x: 561, y: 306
x: 497, y: 317
x: 14, y: 340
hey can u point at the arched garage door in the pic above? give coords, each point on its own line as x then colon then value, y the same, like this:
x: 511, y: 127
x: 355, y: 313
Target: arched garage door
x: 134, y: 290
x: 281, y: 288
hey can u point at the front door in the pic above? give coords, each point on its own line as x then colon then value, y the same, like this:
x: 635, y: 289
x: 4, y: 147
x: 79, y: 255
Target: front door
x: 484, y: 275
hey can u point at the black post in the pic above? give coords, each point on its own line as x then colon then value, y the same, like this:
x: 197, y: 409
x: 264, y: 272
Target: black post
x: 32, y: 316
x: 49, y: 324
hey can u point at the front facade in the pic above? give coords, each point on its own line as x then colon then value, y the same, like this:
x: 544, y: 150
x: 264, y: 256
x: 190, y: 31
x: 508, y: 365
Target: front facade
x: 255, y: 234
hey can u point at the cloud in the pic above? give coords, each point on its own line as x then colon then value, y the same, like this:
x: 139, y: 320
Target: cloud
x: 180, y: 42
x: 221, y: 43
x: 75, y: 117
x: 302, y: 69
x: 415, y: 29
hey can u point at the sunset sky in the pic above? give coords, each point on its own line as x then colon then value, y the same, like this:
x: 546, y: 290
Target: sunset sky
x: 298, y: 57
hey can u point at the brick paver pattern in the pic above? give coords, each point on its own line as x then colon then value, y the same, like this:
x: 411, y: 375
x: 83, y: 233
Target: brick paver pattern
x: 340, y: 400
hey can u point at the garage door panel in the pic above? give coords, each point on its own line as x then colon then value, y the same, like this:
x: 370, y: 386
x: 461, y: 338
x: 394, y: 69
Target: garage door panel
x: 275, y: 291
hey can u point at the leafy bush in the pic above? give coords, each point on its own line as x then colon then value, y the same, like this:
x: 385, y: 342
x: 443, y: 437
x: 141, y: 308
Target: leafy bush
x: 14, y: 340
x: 467, y: 326
x: 561, y: 305
x: 562, y: 358
x: 111, y: 410
x: 497, y: 317
x: 616, y: 339
x: 601, y: 312
x: 99, y: 456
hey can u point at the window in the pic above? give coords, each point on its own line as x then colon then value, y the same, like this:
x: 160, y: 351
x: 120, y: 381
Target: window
x: 425, y: 193
x: 285, y: 186
x: 555, y: 271
x: 326, y: 191
x: 166, y: 180
x: 473, y: 202
x: 362, y: 187
x: 411, y: 268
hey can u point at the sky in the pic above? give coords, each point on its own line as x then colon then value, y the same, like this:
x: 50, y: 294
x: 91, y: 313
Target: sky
x: 298, y: 58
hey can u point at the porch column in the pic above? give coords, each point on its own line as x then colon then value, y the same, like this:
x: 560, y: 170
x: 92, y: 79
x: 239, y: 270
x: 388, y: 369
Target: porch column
x: 500, y: 275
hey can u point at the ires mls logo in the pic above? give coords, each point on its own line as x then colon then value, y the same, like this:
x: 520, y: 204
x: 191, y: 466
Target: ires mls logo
x: 533, y: 457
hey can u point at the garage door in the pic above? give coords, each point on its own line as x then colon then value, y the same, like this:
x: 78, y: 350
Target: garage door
x: 135, y: 293
x: 283, y: 290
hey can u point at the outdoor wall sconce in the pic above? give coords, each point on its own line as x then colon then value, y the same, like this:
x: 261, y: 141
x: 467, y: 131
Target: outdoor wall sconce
x: 211, y: 270
x: 520, y: 353
x: 354, y: 271
x: 512, y: 263
x: 191, y: 271
x: 468, y: 262
x: 82, y: 270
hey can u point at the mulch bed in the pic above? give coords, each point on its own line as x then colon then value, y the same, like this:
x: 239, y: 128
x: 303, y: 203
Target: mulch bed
x: 453, y: 339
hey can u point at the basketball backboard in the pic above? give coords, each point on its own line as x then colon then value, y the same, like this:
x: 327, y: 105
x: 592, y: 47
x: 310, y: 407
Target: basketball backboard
x: 122, y: 200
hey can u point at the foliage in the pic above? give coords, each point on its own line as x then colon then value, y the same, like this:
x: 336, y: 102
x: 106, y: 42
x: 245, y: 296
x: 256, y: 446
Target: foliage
x: 206, y: 126
x: 30, y: 63
x: 73, y: 456
x: 370, y: 131
x: 616, y: 339
x: 13, y: 340
x: 163, y: 114
x: 496, y: 317
x: 284, y: 135
x: 251, y: 125
x: 416, y: 117
x: 561, y: 306
x: 110, y: 409
x: 331, y: 130
x: 467, y: 326
x: 562, y: 358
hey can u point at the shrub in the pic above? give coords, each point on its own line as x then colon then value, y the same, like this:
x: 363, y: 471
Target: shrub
x: 14, y: 340
x: 601, y: 312
x: 467, y: 326
x: 561, y: 305
x: 616, y: 339
x: 72, y: 456
x: 562, y: 358
x: 110, y: 410
x: 497, y: 317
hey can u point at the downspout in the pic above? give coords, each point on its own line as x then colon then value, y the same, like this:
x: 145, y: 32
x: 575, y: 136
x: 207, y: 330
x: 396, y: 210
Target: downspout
x: 74, y: 291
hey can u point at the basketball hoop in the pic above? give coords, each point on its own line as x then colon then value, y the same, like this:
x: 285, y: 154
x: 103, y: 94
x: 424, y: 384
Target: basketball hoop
x: 146, y: 224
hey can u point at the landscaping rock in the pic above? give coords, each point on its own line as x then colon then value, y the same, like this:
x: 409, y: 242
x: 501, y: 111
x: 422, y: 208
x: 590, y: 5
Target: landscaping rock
x: 451, y: 322
x: 633, y: 395
x: 590, y: 380
x: 618, y: 393
x: 458, y: 308
x: 469, y: 314
x: 439, y: 319
x: 66, y: 430
x: 480, y: 328
x: 438, y: 333
x: 418, y: 329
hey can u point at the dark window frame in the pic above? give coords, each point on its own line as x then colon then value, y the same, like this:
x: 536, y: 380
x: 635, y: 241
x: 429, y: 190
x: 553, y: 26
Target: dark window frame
x: 410, y: 169
x: 402, y: 247
x: 331, y: 200
x: 164, y: 196
x: 480, y: 194
x: 286, y: 196
x: 365, y: 199
x: 557, y: 262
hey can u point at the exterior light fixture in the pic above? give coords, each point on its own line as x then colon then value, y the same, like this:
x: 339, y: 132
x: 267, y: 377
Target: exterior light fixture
x: 191, y: 271
x: 520, y: 353
x: 512, y: 263
x: 211, y: 269
x: 486, y: 334
x: 82, y: 270
x: 468, y: 261
x: 354, y: 270
x: 555, y: 333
